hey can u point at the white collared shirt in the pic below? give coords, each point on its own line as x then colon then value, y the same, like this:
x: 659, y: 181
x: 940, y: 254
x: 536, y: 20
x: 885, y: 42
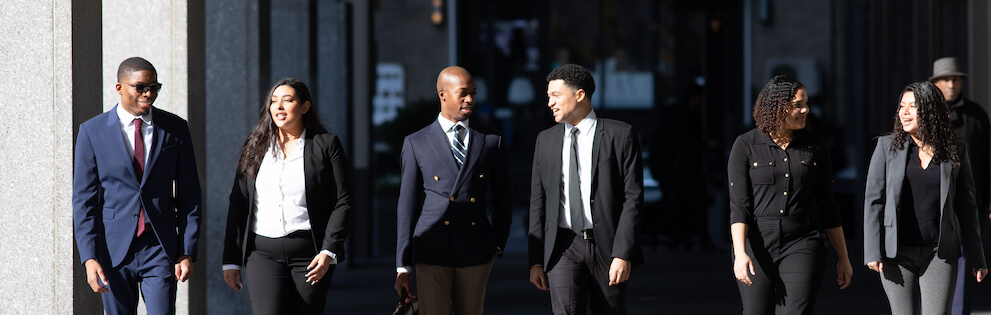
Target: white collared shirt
x: 586, y: 134
x: 448, y: 127
x: 280, y: 196
x: 127, y: 128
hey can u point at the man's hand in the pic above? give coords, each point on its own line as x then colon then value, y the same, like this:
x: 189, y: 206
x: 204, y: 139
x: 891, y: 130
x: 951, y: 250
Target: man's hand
x: 619, y: 271
x: 538, y: 277
x: 876, y: 266
x: 233, y: 279
x: 979, y: 274
x: 184, y: 268
x: 403, y: 282
x: 318, y: 268
x: 95, y: 277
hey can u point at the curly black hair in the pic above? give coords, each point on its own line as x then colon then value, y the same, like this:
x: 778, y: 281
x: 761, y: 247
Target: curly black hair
x: 935, y: 127
x: 575, y: 76
x: 265, y: 132
x: 773, y: 102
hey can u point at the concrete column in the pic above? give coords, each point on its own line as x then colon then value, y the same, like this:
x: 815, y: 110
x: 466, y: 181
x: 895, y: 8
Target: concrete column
x: 233, y: 98
x: 36, y: 166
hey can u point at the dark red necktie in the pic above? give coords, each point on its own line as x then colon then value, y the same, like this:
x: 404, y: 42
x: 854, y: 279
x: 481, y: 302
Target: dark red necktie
x: 139, y: 166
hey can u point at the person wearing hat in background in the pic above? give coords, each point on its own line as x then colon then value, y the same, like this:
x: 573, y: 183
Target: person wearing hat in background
x: 973, y: 128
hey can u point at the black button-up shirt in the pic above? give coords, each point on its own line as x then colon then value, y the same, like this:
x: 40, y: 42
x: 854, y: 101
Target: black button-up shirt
x: 765, y: 181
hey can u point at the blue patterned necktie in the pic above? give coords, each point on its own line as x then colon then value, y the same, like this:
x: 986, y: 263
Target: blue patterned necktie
x: 458, y: 145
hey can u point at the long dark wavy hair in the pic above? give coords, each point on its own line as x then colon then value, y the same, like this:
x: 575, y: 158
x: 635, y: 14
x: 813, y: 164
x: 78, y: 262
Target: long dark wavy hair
x: 935, y: 128
x: 773, y: 102
x: 265, y: 133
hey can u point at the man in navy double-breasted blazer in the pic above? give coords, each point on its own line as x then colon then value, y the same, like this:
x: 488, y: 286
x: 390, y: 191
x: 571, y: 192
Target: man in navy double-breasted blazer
x: 136, y: 197
x: 448, y: 167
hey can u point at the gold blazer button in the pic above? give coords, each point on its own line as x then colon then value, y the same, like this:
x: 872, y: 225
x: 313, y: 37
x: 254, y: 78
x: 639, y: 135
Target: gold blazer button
x: 447, y: 222
x: 436, y: 178
x: 452, y: 198
x: 472, y: 199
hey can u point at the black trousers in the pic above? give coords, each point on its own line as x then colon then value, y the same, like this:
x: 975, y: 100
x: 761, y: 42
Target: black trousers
x: 578, y: 274
x: 789, y: 257
x: 276, y: 276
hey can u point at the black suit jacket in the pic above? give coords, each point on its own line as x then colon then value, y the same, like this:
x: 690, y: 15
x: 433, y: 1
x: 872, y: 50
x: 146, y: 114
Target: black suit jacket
x: 328, y: 200
x: 616, y: 196
x: 441, y: 215
x: 973, y: 127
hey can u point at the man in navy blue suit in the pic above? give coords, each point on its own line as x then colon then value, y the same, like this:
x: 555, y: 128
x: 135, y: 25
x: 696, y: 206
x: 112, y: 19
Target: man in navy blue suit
x: 448, y: 167
x: 136, y: 197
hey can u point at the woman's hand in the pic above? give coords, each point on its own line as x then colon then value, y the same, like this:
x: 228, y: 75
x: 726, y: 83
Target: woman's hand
x: 844, y: 273
x: 233, y: 279
x: 741, y: 266
x: 980, y: 274
x: 318, y: 268
x: 876, y: 266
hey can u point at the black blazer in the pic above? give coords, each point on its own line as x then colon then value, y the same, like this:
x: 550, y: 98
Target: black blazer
x: 442, y: 216
x: 616, y: 196
x: 328, y: 200
x: 958, y: 224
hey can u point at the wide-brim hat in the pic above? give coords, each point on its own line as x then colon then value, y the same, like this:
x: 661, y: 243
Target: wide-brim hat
x: 945, y: 67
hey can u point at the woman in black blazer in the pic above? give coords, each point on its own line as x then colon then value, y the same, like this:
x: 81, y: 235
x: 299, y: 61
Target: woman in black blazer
x: 782, y: 207
x: 289, y: 207
x: 919, y: 206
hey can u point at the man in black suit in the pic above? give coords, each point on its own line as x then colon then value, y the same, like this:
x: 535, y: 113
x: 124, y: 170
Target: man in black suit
x: 586, y: 201
x: 448, y: 169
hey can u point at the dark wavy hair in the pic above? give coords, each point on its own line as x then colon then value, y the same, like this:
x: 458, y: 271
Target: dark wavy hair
x: 773, y: 102
x: 935, y: 127
x: 575, y: 76
x: 265, y: 133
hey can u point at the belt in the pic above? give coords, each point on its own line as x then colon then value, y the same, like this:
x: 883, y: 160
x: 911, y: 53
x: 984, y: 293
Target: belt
x: 585, y: 234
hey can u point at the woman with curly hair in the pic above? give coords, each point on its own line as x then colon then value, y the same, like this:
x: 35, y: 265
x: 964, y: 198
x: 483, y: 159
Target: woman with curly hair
x: 782, y: 206
x: 919, y: 207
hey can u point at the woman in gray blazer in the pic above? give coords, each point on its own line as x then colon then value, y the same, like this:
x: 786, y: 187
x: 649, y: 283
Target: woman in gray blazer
x: 919, y: 206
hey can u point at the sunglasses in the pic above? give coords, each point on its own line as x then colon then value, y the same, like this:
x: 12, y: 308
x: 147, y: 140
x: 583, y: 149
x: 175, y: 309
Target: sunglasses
x: 143, y: 88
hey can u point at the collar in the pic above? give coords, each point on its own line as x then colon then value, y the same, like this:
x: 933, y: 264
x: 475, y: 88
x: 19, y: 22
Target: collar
x: 299, y: 143
x: 763, y: 138
x: 446, y: 124
x: 126, y: 118
x: 584, y: 125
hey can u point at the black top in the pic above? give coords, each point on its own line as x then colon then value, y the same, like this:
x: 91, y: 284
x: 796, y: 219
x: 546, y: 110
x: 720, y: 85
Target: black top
x: 765, y: 181
x: 918, y: 217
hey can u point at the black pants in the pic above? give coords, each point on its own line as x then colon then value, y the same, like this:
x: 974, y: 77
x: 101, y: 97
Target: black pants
x: 789, y: 258
x: 579, y: 275
x: 276, y: 276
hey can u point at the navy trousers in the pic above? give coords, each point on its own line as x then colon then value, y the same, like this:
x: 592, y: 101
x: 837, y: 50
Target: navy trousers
x: 148, y: 271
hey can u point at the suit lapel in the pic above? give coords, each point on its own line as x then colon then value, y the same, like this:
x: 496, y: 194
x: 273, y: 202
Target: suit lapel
x: 899, y: 159
x: 597, y: 147
x: 555, y: 164
x: 945, y: 174
x: 120, y: 145
x: 442, y: 150
x: 156, y: 148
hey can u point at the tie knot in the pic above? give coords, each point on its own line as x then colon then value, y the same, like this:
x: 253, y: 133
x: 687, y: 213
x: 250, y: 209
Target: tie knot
x: 137, y: 122
x: 458, y: 127
x: 574, y: 131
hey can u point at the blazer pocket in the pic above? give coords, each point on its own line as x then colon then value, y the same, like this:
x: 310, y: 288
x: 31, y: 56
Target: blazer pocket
x: 762, y: 173
x: 109, y: 213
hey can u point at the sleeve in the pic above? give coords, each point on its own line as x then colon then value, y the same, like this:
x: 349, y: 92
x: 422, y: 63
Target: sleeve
x: 187, y: 199
x: 410, y: 202
x: 741, y: 196
x: 626, y: 241
x: 237, y: 218
x: 829, y: 216
x: 339, y: 219
x: 502, y: 193
x: 967, y: 215
x: 86, y: 204
x: 874, y: 200
x: 538, y: 214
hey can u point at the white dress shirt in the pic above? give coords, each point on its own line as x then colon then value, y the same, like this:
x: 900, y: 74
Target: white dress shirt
x: 448, y: 127
x: 127, y: 128
x: 586, y: 134
x: 280, y: 196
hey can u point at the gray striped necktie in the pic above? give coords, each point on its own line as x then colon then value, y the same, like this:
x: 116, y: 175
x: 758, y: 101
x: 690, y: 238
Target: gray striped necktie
x: 574, y: 187
x: 458, y: 145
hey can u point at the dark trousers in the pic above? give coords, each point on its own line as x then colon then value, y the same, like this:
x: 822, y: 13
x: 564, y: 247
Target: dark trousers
x: 276, y: 276
x: 578, y: 274
x: 789, y: 258
x: 146, y: 267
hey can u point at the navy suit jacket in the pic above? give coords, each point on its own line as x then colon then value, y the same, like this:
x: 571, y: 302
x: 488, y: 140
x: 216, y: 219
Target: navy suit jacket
x: 441, y: 216
x: 616, y: 196
x: 958, y: 224
x: 107, y: 196
x: 326, y: 174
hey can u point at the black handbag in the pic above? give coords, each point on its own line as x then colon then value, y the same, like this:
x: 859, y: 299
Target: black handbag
x: 407, y: 305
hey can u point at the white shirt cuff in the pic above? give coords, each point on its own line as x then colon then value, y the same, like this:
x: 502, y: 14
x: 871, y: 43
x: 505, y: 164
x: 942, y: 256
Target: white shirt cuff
x: 231, y: 267
x: 333, y: 257
x: 404, y: 269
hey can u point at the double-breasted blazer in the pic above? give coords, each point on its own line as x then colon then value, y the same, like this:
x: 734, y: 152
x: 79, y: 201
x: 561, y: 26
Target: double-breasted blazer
x: 616, y: 197
x: 442, y: 216
x: 326, y: 174
x: 107, y: 195
x: 958, y: 223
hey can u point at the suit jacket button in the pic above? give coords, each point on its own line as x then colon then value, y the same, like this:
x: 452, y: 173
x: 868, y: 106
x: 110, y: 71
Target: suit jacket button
x: 472, y: 199
x: 447, y: 222
x: 481, y: 175
x: 436, y: 178
x: 452, y: 198
x: 135, y: 215
x: 472, y: 223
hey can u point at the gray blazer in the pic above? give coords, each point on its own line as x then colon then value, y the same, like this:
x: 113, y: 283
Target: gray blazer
x: 958, y: 222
